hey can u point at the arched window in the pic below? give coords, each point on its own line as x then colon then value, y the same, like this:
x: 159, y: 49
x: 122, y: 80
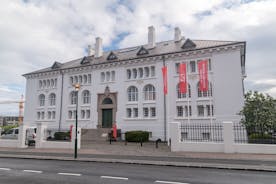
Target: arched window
x: 40, y: 84
x: 41, y: 100
x: 107, y: 76
x: 134, y: 71
x: 149, y: 92
x: 86, y: 97
x: 128, y: 74
x: 107, y: 101
x: 183, y: 95
x: 204, y: 93
x: 73, y: 97
x: 132, y: 93
x: 85, y: 79
x: 52, y: 83
x: 52, y: 99
x: 44, y: 83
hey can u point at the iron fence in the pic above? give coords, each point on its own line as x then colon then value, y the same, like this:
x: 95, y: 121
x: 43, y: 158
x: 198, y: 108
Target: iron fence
x: 253, y: 134
x: 211, y: 132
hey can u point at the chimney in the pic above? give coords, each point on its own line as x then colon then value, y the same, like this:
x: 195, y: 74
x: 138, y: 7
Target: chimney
x: 151, y: 37
x: 90, y: 51
x: 177, y: 34
x: 98, y: 47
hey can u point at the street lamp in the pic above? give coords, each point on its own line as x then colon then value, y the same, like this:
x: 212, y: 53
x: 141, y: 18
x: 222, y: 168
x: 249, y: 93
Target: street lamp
x: 77, y: 88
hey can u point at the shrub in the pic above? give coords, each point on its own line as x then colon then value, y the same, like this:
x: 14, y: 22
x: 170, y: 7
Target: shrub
x: 137, y: 136
x: 261, y: 138
x: 62, y: 136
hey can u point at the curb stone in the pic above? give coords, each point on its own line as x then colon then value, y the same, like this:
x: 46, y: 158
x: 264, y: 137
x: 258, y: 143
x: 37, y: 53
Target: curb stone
x: 147, y: 162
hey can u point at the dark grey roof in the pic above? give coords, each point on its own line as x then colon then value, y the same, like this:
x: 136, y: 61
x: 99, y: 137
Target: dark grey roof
x: 131, y: 53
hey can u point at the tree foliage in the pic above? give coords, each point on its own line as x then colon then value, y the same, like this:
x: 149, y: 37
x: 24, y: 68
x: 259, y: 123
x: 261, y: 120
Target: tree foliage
x: 259, y: 113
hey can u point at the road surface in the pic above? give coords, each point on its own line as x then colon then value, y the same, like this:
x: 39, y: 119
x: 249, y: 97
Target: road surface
x: 15, y: 171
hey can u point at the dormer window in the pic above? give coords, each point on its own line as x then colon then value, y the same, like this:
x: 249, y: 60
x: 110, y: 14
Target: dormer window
x: 142, y: 51
x: 112, y: 56
x: 188, y: 44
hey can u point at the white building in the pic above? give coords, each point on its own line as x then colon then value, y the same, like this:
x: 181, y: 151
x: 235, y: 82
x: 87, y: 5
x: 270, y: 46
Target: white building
x: 126, y: 86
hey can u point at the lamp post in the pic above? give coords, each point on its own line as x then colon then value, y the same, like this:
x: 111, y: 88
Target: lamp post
x: 77, y: 88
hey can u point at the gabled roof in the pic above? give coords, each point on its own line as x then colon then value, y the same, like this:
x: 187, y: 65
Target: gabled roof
x: 131, y: 53
x: 188, y: 44
x: 112, y: 56
x: 56, y: 65
x: 142, y: 51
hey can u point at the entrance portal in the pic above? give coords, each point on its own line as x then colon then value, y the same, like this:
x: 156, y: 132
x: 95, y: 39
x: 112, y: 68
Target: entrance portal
x: 107, y: 118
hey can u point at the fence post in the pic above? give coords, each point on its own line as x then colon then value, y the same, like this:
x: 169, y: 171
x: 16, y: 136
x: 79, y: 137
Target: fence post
x: 228, y: 137
x: 39, y: 135
x: 175, y: 135
x: 22, y: 137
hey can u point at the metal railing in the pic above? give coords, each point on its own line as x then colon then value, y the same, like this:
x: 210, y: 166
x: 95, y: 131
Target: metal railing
x: 253, y: 134
x: 210, y: 132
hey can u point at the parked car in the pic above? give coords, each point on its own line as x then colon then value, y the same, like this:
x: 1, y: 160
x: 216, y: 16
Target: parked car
x: 13, y: 134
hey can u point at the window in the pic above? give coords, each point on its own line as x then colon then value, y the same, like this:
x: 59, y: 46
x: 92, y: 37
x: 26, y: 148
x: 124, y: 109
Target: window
x: 38, y: 115
x: 149, y: 92
x: 70, y: 115
x: 87, y: 114
x: 134, y: 71
x: 209, y: 65
x: 113, y: 75
x: 41, y: 100
x: 179, y: 110
x: 42, y: 115
x: 74, y: 113
x: 55, y: 82
x: 89, y: 78
x: 53, y: 115
x: 188, y: 111
x: 135, y: 112
x: 82, y: 114
x: 71, y: 80
x: 146, y: 71
x: 146, y: 112
x: 204, y: 93
x: 52, y: 99
x: 44, y: 83
x: 132, y: 93
x: 177, y: 67
x: 48, y: 83
x: 86, y: 97
x: 49, y: 114
x: 140, y: 70
x: 107, y: 76
x: 52, y: 82
x: 76, y: 80
x: 192, y: 66
x: 40, y: 84
x: 102, y: 76
x: 80, y: 79
x: 183, y: 95
x: 152, y: 71
x: 107, y: 101
x: 85, y: 79
x: 128, y: 112
x: 200, y: 110
x: 128, y: 74
x: 210, y: 111
x: 152, y: 112
x: 73, y: 97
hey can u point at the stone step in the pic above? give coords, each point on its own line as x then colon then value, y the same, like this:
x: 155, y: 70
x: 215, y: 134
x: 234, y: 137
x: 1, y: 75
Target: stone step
x: 100, y: 134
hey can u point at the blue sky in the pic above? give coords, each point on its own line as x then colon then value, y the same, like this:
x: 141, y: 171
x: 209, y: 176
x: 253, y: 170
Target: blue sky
x: 35, y: 33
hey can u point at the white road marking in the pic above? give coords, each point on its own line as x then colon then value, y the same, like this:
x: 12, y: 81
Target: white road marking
x: 69, y: 174
x: 32, y: 171
x: 113, y: 177
x: 169, y: 182
x: 5, y: 169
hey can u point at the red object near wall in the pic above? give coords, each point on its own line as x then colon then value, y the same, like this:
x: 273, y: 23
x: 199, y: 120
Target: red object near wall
x: 203, y: 75
x: 182, y: 78
x: 165, y: 80
x: 114, y: 127
x: 71, y: 129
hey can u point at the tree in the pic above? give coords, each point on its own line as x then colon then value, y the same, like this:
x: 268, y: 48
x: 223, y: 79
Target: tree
x: 259, y: 113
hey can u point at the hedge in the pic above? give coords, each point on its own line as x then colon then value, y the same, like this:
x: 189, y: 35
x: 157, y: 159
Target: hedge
x: 137, y: 136
x: 62, y: 136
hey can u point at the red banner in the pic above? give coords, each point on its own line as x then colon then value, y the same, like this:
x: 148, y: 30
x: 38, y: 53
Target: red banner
x: 165, y: 80
x: 114, y: 131
x: 203, y: 75
x: 182, y: 78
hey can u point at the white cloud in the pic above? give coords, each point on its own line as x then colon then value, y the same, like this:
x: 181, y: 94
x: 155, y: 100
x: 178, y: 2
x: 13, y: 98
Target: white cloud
x: 35, y: 34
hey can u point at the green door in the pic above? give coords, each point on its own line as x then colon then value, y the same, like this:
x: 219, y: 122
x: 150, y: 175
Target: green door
x: 107, y: 118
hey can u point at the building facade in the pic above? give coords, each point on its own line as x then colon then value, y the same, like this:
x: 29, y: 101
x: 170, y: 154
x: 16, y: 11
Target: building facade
x: 125, y: 86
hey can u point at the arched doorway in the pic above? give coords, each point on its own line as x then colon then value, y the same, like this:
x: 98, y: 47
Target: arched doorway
x: 107, y: 108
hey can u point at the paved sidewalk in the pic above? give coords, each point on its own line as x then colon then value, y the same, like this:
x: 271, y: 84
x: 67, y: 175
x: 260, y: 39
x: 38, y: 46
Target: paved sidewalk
x: 148, y: 154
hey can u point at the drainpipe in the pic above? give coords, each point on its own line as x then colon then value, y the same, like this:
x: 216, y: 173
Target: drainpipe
x: 61, y: 100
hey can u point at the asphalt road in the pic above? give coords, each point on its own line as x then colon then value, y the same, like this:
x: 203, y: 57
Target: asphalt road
x: 15, y: 171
